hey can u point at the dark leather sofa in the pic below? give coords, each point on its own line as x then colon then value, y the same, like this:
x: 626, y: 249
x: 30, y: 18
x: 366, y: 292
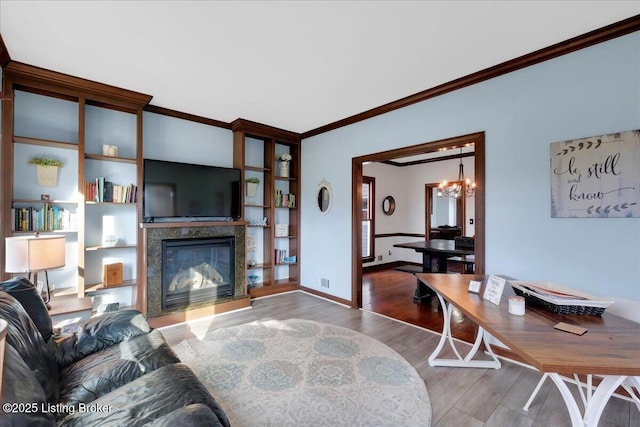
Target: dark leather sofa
x: 111, y: 370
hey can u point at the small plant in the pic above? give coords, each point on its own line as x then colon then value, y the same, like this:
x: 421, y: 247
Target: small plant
x: 253, y: 180
x: 43, y: 161
x: 286, y: 157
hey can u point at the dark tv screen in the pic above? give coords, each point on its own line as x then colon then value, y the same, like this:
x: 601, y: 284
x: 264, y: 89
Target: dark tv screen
x: 183, y: 190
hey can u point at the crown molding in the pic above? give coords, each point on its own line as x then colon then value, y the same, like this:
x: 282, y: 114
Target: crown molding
x: 591, y: 38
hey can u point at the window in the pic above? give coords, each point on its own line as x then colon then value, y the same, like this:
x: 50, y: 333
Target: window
x: 368, y: 218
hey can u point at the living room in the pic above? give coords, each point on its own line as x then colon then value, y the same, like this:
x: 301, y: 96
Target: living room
x: 588, y: 92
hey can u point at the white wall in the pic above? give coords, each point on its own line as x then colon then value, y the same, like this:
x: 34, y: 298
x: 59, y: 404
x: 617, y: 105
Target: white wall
x: 591, y: 92
x: 406, y: 185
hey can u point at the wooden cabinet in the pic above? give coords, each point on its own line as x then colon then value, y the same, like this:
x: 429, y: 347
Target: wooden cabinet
x: 47, y: 114
x: 273, y: 237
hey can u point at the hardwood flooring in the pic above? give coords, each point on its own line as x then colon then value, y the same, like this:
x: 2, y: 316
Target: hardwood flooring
x: 390, y: 293
x: 459, y: 397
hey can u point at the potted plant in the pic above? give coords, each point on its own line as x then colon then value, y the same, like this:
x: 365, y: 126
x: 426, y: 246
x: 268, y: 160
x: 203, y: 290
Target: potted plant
x: 46, y: 170
x: 252, y: 186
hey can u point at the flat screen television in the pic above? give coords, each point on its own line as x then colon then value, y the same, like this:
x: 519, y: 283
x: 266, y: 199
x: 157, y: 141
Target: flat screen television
x: 173, y: 190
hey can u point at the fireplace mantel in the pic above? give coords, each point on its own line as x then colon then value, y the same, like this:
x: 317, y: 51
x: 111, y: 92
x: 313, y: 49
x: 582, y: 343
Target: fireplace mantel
x: 150, y: 289
x: 180, y: 224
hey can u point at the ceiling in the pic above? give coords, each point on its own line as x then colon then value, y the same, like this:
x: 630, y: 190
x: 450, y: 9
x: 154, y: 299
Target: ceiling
x: 296, y: 65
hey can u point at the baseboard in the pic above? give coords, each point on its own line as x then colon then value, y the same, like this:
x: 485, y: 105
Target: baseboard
x: 326, y: 296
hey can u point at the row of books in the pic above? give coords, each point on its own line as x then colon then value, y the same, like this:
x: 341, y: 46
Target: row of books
x: 282, y: 258
x: 101, y: 190
x: 284, y: 200
x: 47, y: 218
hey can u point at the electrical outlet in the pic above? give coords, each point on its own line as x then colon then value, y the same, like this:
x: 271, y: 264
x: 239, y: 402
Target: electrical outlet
x: 379, y: 257
x: 471, y: 221
x: 324, y: 283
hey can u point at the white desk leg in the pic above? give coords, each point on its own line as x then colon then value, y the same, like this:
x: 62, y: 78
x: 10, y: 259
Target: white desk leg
x: 594, y: 406
x: 464, y: 362
x: 629, y: 385
x: 600, y: 397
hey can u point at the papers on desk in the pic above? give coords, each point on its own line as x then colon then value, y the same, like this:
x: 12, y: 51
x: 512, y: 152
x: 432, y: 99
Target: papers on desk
x: 558, y: 294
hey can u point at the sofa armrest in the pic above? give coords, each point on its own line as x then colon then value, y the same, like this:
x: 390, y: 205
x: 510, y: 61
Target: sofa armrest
x: 195, y: 415
x: 96, y: 333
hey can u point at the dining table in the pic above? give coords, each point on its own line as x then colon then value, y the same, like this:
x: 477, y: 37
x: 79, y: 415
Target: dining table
x: 433, y: 249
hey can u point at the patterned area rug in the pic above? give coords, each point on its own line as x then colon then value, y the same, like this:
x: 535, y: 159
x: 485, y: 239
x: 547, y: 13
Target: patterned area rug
x: 304, y: 373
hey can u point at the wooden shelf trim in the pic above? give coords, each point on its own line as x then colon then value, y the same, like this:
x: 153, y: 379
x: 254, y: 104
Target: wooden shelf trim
x: 45, y: 142
x: 191, y: 224
x: 103, y: 248
x: 256, y: 169
x: 39, y: 201
x: 91, y: 156
x: 100, y: 286
x: 111, y: 203
x: 251, y: 205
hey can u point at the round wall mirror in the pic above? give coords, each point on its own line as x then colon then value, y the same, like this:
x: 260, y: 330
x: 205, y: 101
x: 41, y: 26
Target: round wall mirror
x: 324, y: 197
x: 388, y: 205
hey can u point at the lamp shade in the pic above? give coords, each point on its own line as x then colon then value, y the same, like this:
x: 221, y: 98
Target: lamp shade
x: 34, y: 253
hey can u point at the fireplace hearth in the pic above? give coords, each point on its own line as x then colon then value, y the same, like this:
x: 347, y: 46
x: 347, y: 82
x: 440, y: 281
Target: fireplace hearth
x: 197, y: 270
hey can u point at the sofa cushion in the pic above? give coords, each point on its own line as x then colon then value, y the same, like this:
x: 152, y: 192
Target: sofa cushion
x: 91, y: 335
x: 20, y: 386
x: 25, y: 338
x: 146, y: 399
x: 99, y: 373
x: 27, y: 294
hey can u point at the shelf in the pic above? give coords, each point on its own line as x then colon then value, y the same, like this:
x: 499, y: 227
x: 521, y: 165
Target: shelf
x: 258, y: 266
x: 42, y: 231
x: 67, y: 305
x: 38, y: 201
x: 285, y: 237
x: 100, y: 287
x: 285, y: 178
x: 45, y: 142
x: 256, y: 169
x: 90, y: 156
x: 282, y: 264
x: 111, y: 203
x: 252, y: 205
x: 259, y: 226
x: 104, y: 248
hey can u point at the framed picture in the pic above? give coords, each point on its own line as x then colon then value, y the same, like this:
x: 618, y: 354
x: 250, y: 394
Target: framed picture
x: 596, y: 177
x: 282, y: 230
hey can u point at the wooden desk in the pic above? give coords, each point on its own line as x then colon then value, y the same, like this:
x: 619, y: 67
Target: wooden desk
x: 610, y: 348
x: 438, y: 248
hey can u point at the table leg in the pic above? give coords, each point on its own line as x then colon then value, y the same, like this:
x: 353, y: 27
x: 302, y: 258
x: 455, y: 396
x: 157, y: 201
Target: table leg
x: 465, y: 362
x: 423, y: 292
x: 596, y: 403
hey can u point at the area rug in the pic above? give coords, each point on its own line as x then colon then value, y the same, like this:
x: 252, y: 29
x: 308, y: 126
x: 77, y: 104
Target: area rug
x: 304, y: 373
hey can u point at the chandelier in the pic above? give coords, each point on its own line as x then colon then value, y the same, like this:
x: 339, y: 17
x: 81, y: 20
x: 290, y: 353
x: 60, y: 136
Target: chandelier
x: 458, y: 188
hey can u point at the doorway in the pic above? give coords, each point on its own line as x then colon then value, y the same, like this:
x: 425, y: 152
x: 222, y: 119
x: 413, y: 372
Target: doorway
x: 477, y: 139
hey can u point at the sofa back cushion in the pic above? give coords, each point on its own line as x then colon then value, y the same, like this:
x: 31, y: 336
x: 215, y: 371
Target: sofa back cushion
x: 27, y: 294
x: 23, y: 393
x: 25, y: 338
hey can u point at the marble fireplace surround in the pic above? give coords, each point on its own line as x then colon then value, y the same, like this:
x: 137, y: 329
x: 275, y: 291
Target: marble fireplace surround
x: 154, y: 237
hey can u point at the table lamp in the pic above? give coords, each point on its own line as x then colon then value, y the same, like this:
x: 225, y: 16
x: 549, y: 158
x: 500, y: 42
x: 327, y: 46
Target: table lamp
x: 32, y: 254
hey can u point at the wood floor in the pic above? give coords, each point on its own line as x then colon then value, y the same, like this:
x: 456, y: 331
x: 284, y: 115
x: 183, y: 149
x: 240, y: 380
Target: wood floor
x: 459, y: 397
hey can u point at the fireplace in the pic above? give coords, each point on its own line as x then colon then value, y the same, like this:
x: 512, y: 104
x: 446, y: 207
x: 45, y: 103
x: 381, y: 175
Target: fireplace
x: 197, y: 270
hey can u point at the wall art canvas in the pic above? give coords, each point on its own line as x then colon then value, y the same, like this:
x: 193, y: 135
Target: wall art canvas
x: 596, y: 177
